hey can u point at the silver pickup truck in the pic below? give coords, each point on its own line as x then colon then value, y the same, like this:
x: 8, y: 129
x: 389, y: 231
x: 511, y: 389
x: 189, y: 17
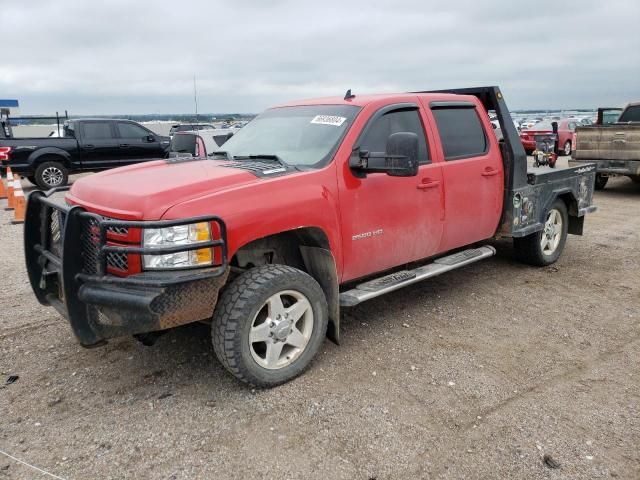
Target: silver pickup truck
x: 614, y: 148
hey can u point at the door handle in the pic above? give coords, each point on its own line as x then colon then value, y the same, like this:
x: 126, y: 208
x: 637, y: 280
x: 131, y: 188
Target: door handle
x: 89, y: 147
x: 124, y: 145
x: 427, y: 183
x: 490, y: 172
x: 619, y: 140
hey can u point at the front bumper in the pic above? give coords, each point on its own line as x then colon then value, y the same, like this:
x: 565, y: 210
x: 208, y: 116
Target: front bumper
x: 66, y: 251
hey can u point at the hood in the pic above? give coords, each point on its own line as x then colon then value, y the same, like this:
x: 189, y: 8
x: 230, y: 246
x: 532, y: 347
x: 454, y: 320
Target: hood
x: 147, y: 190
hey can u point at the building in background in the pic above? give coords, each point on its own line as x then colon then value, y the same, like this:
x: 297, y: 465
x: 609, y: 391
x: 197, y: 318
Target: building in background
x: 9, y: 108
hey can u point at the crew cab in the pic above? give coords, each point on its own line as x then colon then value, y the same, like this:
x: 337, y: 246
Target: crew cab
x: 314, y: 206
x: 613, y: 147
x: 85, y: 145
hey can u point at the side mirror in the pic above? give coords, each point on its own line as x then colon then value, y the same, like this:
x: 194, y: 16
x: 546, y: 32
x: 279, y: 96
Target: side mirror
x: 151, y: 138
x: 228, y: 136
x: 399, y: 160
x: 402, y: 154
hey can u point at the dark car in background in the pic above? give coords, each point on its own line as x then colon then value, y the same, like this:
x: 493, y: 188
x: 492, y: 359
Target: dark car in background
x: 85, y: 145
x: 189, y: 127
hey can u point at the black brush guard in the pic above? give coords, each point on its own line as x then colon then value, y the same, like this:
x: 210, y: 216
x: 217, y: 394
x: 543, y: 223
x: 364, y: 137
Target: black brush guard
x: 66, y: 254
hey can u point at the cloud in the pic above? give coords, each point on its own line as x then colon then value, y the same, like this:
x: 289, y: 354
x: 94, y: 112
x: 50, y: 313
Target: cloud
x: 140, y: 57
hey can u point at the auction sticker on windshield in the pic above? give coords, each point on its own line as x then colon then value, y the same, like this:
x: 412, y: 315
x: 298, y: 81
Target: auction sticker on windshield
x: 328, y: 120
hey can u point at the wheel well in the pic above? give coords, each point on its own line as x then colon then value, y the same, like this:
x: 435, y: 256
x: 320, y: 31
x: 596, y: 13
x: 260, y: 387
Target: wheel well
x: 282, y: 248
x: 575, y: 222
x: 308, y: 250
x: 50, y: 157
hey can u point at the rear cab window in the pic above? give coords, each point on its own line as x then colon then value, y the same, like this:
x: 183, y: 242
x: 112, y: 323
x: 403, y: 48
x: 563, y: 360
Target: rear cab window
x: 461, y: 131
x: 631, y: 114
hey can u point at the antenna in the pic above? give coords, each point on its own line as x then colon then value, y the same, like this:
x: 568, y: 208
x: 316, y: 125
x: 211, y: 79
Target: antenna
x: 195, y: 96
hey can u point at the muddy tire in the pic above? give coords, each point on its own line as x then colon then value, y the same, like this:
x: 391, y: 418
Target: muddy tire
x: 268, y: 324
x: 50, y: 175
x: 545, y: 247
x: 601, y: 181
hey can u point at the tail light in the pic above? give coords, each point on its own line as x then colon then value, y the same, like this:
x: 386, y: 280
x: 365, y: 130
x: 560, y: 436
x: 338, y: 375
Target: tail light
x: 5, y: 154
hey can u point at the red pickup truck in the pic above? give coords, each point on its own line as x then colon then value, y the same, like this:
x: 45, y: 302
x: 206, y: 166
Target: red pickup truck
x: 313, y: 206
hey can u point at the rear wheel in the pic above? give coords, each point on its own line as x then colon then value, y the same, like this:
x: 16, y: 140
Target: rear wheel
x: 567, y: 148
x: 545, y: 247
x: 269, y: 324
x: 51, y: 174
x: 601, y: 181
x: 635, y: 178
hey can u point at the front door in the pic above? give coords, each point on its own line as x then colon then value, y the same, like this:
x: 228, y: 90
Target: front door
x: 388, y: 221
x: 138, y: 143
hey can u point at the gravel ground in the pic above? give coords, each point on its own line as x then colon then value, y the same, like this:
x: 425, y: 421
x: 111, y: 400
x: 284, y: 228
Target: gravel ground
x: 480, y: 373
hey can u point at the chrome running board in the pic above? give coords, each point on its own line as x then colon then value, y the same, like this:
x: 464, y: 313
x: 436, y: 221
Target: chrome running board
x: 394, y: 281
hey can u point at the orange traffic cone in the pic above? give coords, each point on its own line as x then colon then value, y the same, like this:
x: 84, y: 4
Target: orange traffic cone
x: 19, y: 203
x: 3, y: 190
x: 10, y: 199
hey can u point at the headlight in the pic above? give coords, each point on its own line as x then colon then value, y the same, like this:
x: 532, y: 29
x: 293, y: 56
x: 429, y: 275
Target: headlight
x: 173, y: 236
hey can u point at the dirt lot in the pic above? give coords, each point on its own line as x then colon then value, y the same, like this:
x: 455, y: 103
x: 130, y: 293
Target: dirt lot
x: 478, y: 373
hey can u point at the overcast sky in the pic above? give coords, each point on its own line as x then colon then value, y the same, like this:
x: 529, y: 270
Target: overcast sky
x: 126, y: 56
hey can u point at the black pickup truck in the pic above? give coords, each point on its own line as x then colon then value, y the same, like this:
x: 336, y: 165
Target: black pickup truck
x: 87, y: 145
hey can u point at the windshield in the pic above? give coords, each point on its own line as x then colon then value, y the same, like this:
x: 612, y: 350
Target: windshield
x: 542, y: 126
x: 304, y: 136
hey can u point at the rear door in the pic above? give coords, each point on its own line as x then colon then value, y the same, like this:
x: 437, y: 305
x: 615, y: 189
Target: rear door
x: 472, y: 172
x: 137, y: 143
x: 391, y: 220
x: 99, y: 145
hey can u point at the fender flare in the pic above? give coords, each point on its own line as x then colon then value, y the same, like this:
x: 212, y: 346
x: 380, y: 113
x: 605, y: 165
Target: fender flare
x: 567, y: 195
x: 37, y: 156
x: 321, y: 265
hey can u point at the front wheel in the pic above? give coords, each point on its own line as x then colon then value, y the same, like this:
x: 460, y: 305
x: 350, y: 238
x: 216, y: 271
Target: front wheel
x: 269, y: 324
x: 545, y: 247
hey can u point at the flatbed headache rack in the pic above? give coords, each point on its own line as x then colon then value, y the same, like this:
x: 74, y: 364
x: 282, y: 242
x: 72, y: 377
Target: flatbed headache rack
x: 528, y: 192
x: 6, y: 122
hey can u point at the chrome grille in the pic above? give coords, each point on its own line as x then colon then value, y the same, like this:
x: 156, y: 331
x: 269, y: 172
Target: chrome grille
x: 117, y: 260
x: 118, y: 230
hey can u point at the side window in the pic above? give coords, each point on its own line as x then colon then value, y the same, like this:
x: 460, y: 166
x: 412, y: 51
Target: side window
x: 630, y: 114
x: 461, y: 132
x: 375, y: 140
x: 572, y: 126
x: 131, y: 130
x: 96, y: 130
